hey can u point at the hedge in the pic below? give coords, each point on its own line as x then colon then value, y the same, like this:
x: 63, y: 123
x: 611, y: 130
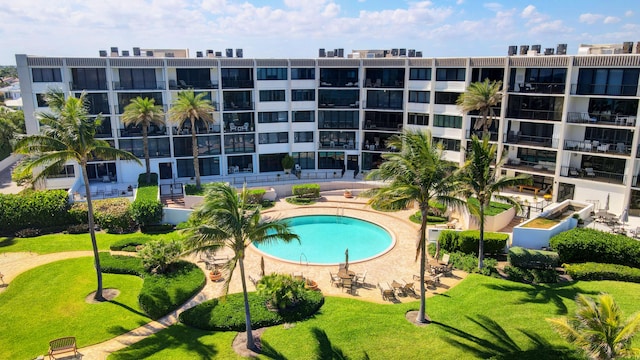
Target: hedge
x: 536, y: 276
x: 532, y: 259
x: 596, y: 271
x: 35, y: 209
x: 306, y: 190
x: 146, y: 209
x: 112, y: 215
x: 582, y: 245
x: 467, y: 241
x: 128, y: 244
x: 254, y: 196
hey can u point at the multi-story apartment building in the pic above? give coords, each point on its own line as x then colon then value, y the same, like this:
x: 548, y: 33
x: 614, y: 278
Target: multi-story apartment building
x: 570, y: 121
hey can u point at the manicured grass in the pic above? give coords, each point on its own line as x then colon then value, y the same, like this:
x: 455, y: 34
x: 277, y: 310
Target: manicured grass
x: 52, y: 243
x: 480, y: 318
x: 541, y: 223
x: 494, y: 208
x: 48, y: 302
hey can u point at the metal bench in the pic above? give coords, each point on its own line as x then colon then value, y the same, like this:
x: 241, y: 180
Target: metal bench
x: 63, y: 345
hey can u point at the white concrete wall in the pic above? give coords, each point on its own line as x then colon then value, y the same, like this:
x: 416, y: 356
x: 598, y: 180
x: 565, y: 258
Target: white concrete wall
x: 175, y: 215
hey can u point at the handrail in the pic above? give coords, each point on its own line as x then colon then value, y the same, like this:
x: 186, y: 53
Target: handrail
x: 305, y: 258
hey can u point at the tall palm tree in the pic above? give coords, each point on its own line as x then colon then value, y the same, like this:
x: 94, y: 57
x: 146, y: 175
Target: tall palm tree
x: 225, y: 220
x: 143, y: 112
x: 598, y: 328
x: 416, y: 174
x: 481, y: 97
x: 68, y: 134
x: 191, y: 107
x: 479, y: 178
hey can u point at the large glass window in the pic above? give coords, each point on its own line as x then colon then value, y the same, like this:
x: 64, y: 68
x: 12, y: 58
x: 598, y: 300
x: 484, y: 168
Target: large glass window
x: 273, y: 138
x: 386, y: 78
x: 303, y: 74
x: 193, y: 78
x: 450, y: 74
x: 448, y: 121
x: 237, y: 100
x: 447, y: 144
x: 208, y: 167
x: 306, y: 160
x: 137, y: 79
x: 303, y: 95
x: 89, y: 78
x: 383, y: 120
x: 333, y: 77
x: 330, y: 160
x: 207, y: 145
x: 608, y: 82
x: 420, y: 74
x: 419, y: 96
x: 124, y: 98
x: 272, y: 73
x: 304, y: 116
x: 535, y: 107
x: 446, y: 98
x: 67, y: 171
x: 338, y: 119
x: 270, y: 162
x: 97, y: 103
x: 303, y: 136
x: 98, y: 171
x: 46, y: 75
x: 272, y: 95
x: 332, y: 139
x: 237, y: 78
x: 384, y: 99
x: 158, y: 147
x: 273, y: 117
x: 418, y: 119
x: 239, y: 143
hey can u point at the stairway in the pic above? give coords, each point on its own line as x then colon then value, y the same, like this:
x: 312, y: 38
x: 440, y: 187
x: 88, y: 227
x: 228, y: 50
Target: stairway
x: 176, y: 201
x: 517, y: 220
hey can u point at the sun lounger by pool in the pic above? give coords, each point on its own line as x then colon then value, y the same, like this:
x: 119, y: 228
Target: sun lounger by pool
x: 386, y: 291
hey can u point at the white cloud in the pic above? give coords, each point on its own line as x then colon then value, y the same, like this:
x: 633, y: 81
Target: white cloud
x: 550, y: 27
x: 459, y: 2
x: 493, y: 6
x: 628, y: 13
x: 532, y: 15
x: 590, y: 18
x: 611, y: 20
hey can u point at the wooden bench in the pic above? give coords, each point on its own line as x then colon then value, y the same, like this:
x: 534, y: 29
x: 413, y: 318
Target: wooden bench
x: 62, y: 345
x: 529, y: 187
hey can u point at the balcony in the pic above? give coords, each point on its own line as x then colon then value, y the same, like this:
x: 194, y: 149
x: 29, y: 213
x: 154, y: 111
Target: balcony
x: 543, y: 167
x: 235, y: 127
x: 531, y: 140
x: 535, y: 114
x: 538, y: 88
x: 601, y: 119
x: 382, y: 126
x: 596, y: 146
x: 493, y: 135
x: 192, y: 84
x: 340, y: 105
x: 146, y: 85
x: 604, y: 89
x: 378, y: 83
x: 89, y: 86
x: 236, y: 106
x: 342, y: 145
x: 211, y: 129
x: 592, y: 174
x: 337, y: 82
x: 137, y: 131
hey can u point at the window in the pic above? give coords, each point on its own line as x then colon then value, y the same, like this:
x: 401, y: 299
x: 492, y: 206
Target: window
x: 66, y: 172
x: 46, y: 75
x: 383, y: 120
x: 384, y: 99
x: 608, y: 81
x: 124, y: 98
x: 40, y: 99
x: 418, y: 119
x: 273, y: 138
x: 97, y: 103
x: 270, y: 162
x: 303, y: 74
x: 89, y: 78
x: 446, y: 98
x: 303, y: 95
x: 545, y: 75
x: 450, y: 74
x: 272, y: 73
x: 137, y: 79
x: 306, y: 160
x: 158, y: 147
x: 272, y: 95
x: 193, y: 78
x: 240, y: 143
x: 207, y: 145
x: 338, y: 119
x: 208, y: 167
x: 273, y: 117
x: 535, y: 107
x: 419, y: 96
x: 448, y: 144
x: 303, y: 136
x: 420, y: 74
x: 330, y: 160
x: 448, y: 121
x: 304, y: 116
x: 236, y: 78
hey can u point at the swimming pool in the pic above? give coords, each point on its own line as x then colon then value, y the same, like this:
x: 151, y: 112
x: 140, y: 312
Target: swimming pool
x: 324, y: 239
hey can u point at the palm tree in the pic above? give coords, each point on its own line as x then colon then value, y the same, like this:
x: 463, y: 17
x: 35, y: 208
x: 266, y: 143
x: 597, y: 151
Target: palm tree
x: 225, y: 220
x: 144, y: 112
x: 418, y: 173
x: 481, y: 97
x: 598, y: 328
x: 189, y: 106
x: 68, y: 134
x: 480, y: 179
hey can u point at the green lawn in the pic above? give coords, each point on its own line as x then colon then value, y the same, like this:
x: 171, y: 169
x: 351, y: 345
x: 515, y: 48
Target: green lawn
x: 494, y: 208
x: 52, y: 243
x: 48, y: 302
x: 482, y: 317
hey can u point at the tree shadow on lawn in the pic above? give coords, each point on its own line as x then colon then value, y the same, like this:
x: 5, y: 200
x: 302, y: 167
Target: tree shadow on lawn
x: 325, y: 349
x: 497, y: 344
x: 543, y: 294
x: 7, y: 241
x: 177, y: 336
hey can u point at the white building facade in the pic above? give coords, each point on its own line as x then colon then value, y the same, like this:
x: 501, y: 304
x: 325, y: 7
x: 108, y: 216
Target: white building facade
x: 569, y: 121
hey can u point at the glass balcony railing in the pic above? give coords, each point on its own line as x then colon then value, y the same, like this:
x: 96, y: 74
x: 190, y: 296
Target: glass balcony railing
x: 597, y: 146
x: 600, y: 118
x: 592, y: 174
x: 146, y: 85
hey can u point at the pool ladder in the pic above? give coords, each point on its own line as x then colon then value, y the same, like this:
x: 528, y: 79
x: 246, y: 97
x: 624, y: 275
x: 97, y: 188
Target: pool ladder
x: 339, y: 215
x: 305, y: 259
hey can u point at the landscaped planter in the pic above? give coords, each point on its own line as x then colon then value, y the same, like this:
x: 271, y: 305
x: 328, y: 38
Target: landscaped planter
x: 491, y: 223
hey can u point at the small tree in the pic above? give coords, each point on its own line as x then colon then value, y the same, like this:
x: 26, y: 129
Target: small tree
x: 287, y: 163
x: 282, y: 290
x: 158, y: 255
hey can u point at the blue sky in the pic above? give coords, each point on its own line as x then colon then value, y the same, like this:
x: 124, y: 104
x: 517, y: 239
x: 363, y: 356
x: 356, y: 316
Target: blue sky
x: 297, y: 28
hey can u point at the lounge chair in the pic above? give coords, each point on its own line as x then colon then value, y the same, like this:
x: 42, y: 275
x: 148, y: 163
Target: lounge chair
x: 407, y: 287
x: 589, y: 171
x: 386, y: 291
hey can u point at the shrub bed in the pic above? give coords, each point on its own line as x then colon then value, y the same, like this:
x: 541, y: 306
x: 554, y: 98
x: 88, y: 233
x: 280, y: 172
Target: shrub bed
x: 147, y: 209
x: 254, y: 196
x: 467, y: 241
x: 128, y: 244
x: 228, y: 315
x: 431, y: 219
x: 34, y: 209
x: 582, y: 245
x: 120, y: 264
x: 597, y: 271
x: 469, y: 263
x: 532, y: 259
x: 306, y: 190
x: 300, y: 201
x: 113, y: 216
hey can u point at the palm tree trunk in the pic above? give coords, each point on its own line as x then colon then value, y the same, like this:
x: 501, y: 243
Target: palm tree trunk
x: 145, y: 149
x: 485, y: 124
x: 194, y: 148
x: 423, y: 258
x: 247, y: 315
x: 481, y: 240
x: 92, y: 232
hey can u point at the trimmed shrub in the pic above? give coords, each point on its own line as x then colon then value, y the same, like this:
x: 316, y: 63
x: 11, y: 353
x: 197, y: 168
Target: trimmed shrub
x: 142, y: 179
x: 228, y: 315
x: 158, y: 229
x: 581, y: 245
x: 469, y: 263
x: 254, y: 196
x: 113, y: 216
x: 467, y: 241
x: 281, y: 290
x: 128, y: 244
x: 431, y: 219
x: 28, y: 232
x: 299, y: 200
x: 120, y: 264
x: 147, y: 209
x: 536, y: 276
x: 532, y: 259
x: 157, y: 256
x: 306, y: 190
x: 34, y: 209
x: 596, y: 271
x: 79, y: 213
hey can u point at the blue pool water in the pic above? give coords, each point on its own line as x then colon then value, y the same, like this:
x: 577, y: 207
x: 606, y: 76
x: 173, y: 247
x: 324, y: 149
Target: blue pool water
x: 324, y: 239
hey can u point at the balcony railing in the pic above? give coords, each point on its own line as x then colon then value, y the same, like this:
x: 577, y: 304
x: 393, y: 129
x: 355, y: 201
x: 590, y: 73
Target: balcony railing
x: 493, y: 135
x: 387, y: 106
x: 601, y: 119
x: 382, y: 126
x: 604, y: 89
x: 592, y: 174
x: 349, y: 145
x: 538, y: 88
x: 136, y: 132
x: 547, y: 167
x: 233, y: 106
x: 120, y: 109
x: 97, y: 86
x: 596, y: 146
x: 194, y: 84
x: 378, y: 83
x: 104, y: 133
x: 147, y: 85
x: 340, y: 104
x: 237, y: 84
x: 338, y: 83
x: 543, y: 141
x: 535, y: 114
x: 212, y: 129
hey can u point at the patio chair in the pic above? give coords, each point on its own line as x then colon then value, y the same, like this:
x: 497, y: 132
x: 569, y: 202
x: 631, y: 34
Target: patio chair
x: 297, y: 276
x: 574, y: 172
x: 589, y: 171
x: 445, y: 259
x: 359, y: 278
x: 448, y: 270
x: 342, y: 266
x: 407, y: 287
x: 335, y: 279
x: 386, y: 291
x: 349, y: 286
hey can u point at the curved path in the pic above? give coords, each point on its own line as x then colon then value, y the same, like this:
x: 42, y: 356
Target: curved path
x: 397, y: 264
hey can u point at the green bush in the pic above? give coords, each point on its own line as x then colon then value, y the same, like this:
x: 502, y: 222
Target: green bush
x: 128, y: 243
x: 306, y: 190
x: 581, y: 245
x: 467, y: 241
x: 34, y: 209
x: 532, y: 259
x: 158, y: 229
x: 147, y: 209
x: 227, y: 314
x: 299, y: 200
x: 78, y: 229
x: 537, y: 276
x: 597, y: 271
x: 142, y: 179
x: 78, y: 213
x: 114, y: 215
x: 157, y: 256
x: 161, y: 294
x: 431, y: 219
x: 254, y: 196
x: 120, y: 264
x: 469, y: 263
x: 282, y: 290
